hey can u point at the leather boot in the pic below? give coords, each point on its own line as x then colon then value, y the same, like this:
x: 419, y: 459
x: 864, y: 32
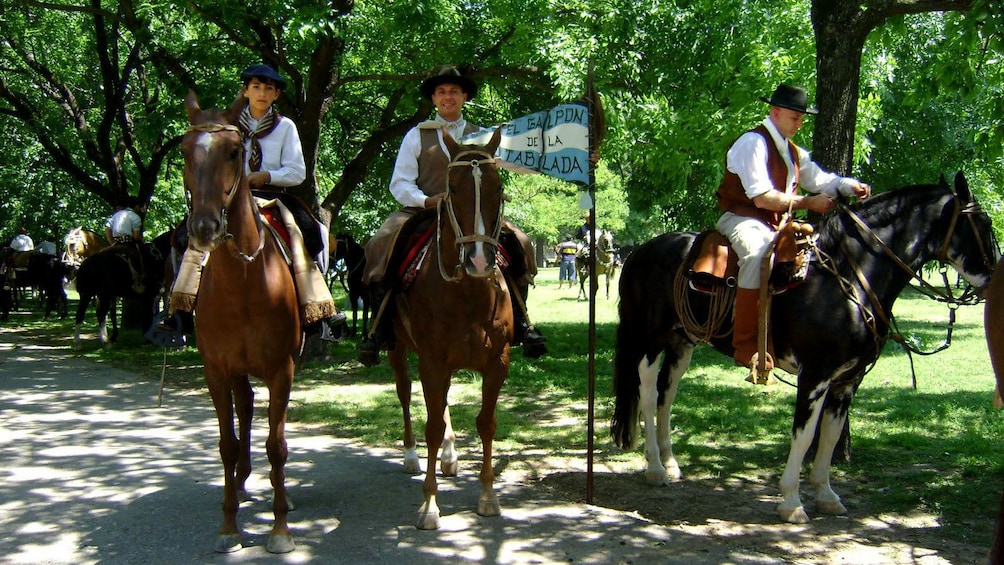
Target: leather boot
x: 534, y: 343
x: 744, y: 336
x: 381, y: 336
x: 744, y: 331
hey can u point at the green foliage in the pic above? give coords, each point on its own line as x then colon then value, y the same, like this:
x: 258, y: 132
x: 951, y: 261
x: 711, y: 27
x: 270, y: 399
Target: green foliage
x: 91, y: 101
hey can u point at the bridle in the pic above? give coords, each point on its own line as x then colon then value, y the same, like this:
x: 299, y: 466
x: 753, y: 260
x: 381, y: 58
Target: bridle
x: 228, y: 195
x: 480, y: 157
x: 875, y: 312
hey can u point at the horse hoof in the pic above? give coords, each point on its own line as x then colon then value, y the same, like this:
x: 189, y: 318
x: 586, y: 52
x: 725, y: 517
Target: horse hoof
x: 831, y: 508
x: 796, y: 515
x: 280, y: 543
x: 658, y: 479
x: 449, y: 469
x: 428, y: 520
x: 412, y: 466
x: 228, y: 543
x: 489, y: 508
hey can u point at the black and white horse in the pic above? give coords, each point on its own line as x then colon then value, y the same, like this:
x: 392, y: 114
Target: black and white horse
x: 828, y: 330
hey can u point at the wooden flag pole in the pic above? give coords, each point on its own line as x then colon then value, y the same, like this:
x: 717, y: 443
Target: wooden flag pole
x: 590, y: 427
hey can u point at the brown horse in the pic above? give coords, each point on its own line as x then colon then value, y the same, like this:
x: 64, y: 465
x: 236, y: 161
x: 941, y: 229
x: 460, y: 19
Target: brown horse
x: 993, y: 323
x: 457, y: 315
x: 248, y: 321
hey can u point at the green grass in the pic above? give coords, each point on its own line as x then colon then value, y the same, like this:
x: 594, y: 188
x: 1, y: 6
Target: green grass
x: 934, y: 449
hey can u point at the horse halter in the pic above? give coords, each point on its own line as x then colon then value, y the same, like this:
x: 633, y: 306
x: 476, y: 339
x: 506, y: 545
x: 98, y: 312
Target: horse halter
x: 969, y: 210
x: 228, y: 194
x: 447, y: 202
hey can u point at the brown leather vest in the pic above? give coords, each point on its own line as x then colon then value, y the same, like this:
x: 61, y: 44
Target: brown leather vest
x: 732, y: 196
x: 432, y: 161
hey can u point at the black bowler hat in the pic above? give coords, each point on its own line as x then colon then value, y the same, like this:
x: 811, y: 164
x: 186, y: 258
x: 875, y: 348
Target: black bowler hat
x: 449, y: 75
x: 792, y: 98
x: 263, y: 72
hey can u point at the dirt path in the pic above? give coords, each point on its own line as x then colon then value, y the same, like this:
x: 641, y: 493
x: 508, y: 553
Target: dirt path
x: 95, y: 472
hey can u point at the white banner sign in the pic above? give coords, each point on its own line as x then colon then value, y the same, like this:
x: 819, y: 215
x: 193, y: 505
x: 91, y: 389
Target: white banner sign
x: 554, y: 142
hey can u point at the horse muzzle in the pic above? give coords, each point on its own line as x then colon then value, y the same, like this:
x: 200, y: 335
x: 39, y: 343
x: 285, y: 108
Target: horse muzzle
x: 479, y: 260
x: 206, y: 230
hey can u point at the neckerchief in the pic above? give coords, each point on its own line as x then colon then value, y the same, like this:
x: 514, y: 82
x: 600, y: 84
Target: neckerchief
x: 265, y: 126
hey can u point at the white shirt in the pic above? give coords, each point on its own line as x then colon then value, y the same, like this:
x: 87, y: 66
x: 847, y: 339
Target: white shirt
x: 748, y: 158
x: 47, y: 248
x: 124, y: 223
x: 281, y: 154
x: 22, y: 243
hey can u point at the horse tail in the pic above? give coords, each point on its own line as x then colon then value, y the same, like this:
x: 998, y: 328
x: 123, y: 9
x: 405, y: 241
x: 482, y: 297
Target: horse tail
x: 628, y: 351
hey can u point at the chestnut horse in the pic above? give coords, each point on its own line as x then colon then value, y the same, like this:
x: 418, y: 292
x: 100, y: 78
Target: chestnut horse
x: 457, y: 315
x: 247, y: 318
x: 79, y: 244
x: 993, y: 323
x: 828, y: 330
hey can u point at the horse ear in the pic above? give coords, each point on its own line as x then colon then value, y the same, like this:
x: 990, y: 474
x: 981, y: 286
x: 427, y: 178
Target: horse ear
x: 493, y: 143
x: 962, y: 187
x: 451, y: 144
x: 233, y: 114
x: 192, y: 107
x: 943, y: 181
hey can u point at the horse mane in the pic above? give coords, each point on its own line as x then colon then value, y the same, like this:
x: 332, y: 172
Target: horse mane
x: 877, y: 211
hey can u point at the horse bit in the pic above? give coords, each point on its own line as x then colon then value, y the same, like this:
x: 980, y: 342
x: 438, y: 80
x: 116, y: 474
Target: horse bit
x: 447, y: 201
x: 228, y: 238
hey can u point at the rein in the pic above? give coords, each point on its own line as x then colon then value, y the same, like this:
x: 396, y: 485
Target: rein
x: 447, y: 202
x: 228, y: 237
x: 876, y: 312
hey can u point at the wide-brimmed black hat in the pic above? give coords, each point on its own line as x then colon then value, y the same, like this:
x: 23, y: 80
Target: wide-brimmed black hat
x: 449, y: 75
x: 791, y: 97
x: 263, y: 72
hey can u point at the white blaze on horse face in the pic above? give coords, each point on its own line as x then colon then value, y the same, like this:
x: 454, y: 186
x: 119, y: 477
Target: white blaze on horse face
x: 205, y: 141
x: 480, y: 257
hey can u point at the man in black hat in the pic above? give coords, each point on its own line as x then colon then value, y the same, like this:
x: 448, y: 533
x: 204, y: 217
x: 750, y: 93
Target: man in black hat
x: 419, y: 182
x: 764, y: 170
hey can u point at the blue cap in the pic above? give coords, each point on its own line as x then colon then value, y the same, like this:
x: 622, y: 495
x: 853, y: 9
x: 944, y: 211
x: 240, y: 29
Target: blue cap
x: 263, y: 72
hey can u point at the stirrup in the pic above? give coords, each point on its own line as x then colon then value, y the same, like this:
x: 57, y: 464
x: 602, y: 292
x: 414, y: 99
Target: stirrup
x: 369, y: 353
x: 765, y: 377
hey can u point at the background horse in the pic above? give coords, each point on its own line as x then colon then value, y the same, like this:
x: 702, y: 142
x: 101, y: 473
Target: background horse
x: 79, y: 244
x: 605, y: 264
x: 353, y: 255
x: 247, y: 315
x: 457, y: 315
x: 107, y: 276
x: 819, y: 328
x: 42, y: 272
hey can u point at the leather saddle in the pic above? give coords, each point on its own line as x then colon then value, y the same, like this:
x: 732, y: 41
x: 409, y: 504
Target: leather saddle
x: 712, y: 263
